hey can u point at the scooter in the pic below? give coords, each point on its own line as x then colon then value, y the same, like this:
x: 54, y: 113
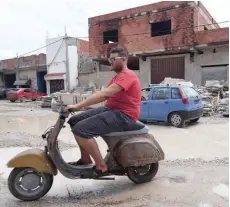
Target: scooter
x: 133, y: 153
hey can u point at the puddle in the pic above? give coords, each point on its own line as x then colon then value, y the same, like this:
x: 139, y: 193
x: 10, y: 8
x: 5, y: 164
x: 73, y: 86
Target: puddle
x: 221, y: 190
x: 204, y: 205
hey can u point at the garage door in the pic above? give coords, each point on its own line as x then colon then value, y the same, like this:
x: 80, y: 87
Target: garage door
x: 167, y: 67
x: 214, y: 73
x: 56, y: 85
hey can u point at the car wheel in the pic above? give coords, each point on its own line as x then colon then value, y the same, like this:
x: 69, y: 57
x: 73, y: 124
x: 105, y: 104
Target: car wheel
x: 194, y: 120
x: 23, y: 99
x: 12, y: 101
x: 176, y: 120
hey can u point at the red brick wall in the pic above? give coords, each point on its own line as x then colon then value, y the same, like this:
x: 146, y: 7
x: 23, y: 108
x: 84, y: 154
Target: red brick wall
x: 10, y: 63
x: 208, y: 36
x: 83, y: 46
x: 135, y: 10
x: 200, y: 20
x: 182, y: 26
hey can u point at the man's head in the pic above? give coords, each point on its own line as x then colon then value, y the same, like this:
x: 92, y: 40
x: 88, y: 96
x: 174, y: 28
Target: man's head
x: 118, y: 59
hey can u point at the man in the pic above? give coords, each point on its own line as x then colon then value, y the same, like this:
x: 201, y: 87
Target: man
x: 123, y: 95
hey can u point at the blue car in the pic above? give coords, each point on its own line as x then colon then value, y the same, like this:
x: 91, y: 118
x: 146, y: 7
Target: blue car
x: 175, y: 104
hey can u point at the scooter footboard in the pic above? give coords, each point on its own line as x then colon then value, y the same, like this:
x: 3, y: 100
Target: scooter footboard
x: 34, y: 158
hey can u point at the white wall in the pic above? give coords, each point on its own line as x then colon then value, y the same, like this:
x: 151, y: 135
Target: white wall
x: 57, y: 53
x: 73, y: 63
x: 57, y: 49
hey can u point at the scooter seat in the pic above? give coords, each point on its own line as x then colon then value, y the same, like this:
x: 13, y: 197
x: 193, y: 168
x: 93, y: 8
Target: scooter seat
x: 134, y: 128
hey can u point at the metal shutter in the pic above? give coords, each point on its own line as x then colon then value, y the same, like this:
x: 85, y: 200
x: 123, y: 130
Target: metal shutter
x: 214, y: 73
x: 167, y: 67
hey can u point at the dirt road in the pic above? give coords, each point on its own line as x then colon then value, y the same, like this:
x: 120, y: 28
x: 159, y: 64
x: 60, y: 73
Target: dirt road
x: 195, y: 172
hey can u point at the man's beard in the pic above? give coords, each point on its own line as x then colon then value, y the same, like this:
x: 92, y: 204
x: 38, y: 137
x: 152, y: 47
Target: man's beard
x: 116, y: 70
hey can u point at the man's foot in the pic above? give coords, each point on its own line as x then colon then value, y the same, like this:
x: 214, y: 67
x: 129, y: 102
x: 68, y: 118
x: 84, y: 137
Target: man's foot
x: 99, y: 172
x: 80, y: 162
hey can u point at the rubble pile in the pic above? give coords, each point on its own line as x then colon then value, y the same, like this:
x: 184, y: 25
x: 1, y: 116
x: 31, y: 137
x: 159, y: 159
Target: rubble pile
x: 214, y: 95
x: 46, y: 101
x: 214, y: 98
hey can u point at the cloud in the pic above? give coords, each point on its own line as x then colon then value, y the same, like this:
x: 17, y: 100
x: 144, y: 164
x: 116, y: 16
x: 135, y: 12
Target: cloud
x: 25, y: 23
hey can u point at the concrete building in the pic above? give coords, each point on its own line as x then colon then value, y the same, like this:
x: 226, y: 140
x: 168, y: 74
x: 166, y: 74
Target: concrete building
x: 28, y: 71
x: 65, y: 57
x: 178, y: 39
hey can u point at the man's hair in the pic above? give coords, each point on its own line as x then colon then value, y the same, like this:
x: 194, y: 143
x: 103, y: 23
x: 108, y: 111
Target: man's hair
x: 120, y: 51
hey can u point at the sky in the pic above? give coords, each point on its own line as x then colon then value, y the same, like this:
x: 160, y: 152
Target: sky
x: 25, y: 24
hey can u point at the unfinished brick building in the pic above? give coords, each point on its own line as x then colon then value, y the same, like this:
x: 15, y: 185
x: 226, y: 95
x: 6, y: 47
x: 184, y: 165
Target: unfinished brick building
x: 177, y: 39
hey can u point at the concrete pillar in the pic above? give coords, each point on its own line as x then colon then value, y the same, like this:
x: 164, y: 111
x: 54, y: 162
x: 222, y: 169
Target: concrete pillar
x: 17, y: 75
x: 98, y: 68
x: 48, y: 87
x: 145, y: 71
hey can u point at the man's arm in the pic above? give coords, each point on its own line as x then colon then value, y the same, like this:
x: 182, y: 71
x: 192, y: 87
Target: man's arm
x: 100, y: 96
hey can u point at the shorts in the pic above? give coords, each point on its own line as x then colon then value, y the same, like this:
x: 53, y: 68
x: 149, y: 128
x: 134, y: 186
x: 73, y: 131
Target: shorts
x: 98, y: 121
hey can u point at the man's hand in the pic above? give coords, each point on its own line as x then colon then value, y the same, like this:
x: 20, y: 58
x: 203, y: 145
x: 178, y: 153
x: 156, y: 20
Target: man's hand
x: 75, y: 107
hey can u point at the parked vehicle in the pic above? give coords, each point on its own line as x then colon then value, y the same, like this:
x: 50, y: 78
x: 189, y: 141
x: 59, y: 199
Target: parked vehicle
x: 175, y: 104
x: 23, y: 94
x: 34, y: 169
x: 2, y: 93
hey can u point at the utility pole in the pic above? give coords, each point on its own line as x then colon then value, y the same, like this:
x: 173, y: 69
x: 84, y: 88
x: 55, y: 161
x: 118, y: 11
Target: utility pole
x: 67, y: 63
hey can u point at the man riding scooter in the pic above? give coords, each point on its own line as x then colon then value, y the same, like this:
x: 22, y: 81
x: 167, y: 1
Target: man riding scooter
x: 123, y: 99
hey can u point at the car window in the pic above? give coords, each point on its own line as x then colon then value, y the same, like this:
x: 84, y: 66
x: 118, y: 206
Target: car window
x: 160, y: 94
x: 176, y: 93
x: 190, y: 92
x: 145, y: 93
x: 26, y: 90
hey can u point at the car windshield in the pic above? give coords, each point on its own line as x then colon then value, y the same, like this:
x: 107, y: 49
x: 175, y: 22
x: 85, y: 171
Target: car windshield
x: 190, y: 92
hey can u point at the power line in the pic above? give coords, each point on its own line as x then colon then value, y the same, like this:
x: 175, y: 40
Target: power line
x: 40, y: 48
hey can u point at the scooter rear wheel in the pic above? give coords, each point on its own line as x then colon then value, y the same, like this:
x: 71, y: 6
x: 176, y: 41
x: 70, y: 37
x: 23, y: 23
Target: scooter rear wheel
x: 143, y: 174
x: 27, y: 184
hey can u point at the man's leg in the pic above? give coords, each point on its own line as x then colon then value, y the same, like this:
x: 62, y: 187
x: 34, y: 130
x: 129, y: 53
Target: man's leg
x: 91, y: 147
x: 85, y: 157
x: 103, y: 123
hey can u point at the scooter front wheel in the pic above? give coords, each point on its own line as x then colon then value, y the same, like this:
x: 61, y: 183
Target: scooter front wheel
x: 142, y: 174
x: 27, y: 184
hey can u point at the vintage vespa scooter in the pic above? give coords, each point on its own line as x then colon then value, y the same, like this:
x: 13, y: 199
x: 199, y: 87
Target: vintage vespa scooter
x: 134, y: 153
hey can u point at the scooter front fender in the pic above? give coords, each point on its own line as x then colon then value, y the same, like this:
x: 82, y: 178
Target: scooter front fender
x: 34, y: 158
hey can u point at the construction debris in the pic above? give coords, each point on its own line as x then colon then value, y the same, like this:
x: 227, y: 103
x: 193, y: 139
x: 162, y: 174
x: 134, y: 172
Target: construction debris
x: 46, y: 101
x: 214, y: 95
x: 169, y: 80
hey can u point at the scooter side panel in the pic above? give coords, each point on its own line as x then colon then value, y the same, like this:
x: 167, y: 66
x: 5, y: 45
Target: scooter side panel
x: 34, y: 158
x: 138, y: 151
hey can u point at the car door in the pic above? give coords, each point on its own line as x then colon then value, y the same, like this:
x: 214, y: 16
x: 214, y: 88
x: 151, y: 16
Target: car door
x: 28, y: 93
x: 176, y: 103
x: 145, y: 94
x: 34, y: 94
x: 159, y: 104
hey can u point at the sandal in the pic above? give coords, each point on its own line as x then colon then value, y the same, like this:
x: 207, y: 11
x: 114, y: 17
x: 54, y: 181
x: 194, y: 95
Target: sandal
x: 98, y: 173
x: 79, y: 162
